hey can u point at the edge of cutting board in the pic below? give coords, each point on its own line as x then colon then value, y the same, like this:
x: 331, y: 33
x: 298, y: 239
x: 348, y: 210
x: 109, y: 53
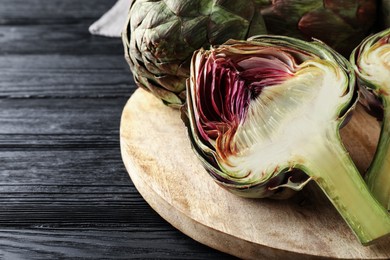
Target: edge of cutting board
x: 163, y: 168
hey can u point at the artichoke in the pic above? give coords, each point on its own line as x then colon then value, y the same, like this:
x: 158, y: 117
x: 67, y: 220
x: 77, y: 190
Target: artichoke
x: 261, y: 111
x: 161, y: 36
x: 385, y: 14
x: 371, y: 61
x: 340, y: 24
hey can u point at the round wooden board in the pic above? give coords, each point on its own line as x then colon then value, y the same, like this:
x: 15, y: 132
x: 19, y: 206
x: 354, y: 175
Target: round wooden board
x: 159, y: 159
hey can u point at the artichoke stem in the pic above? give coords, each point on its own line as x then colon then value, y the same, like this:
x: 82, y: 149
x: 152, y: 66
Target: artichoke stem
x: 378, y: 175
x: 334, y: 171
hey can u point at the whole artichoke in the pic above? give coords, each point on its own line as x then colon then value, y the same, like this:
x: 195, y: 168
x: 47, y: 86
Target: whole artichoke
x: 161, y: 36
x: 340, y: 24
x: 385, y: 14
x: 260, y: 110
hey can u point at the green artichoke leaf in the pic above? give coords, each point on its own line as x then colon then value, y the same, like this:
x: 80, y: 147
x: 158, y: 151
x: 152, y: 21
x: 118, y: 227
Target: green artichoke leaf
x: 161, y: 36
x: 263, y: 111
x: 187, y: 8
x: 385, y: 14
x: 340, y: 24
x: 371, y: 61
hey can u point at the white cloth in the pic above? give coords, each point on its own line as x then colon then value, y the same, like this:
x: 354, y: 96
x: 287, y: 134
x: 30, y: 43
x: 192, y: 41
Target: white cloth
x: 112, y: 23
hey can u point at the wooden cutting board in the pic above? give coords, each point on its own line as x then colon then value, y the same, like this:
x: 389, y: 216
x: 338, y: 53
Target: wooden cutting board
x: 159, y: 159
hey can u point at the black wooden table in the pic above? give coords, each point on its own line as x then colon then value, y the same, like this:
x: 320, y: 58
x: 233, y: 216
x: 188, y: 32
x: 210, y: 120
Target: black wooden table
x: 64, y: 192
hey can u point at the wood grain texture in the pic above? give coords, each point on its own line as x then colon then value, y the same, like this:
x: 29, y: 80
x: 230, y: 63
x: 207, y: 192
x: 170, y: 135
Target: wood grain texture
x: 64, y: 191
x: 66, y: 202
x: 77, y: 116
x: 173, y: 182
x: 55, y: 39
x: 51, y: 11
x: 40, y: 76
x: 122, y: 243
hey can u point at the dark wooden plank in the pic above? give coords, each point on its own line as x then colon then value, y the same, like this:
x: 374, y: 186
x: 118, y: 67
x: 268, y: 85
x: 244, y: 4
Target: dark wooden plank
x: 71, y: 188
x: 135, y: 243
x: 84, y: 190
x: 64, y: 192
x: 57, y: 142
x: 74, y: 206
x: 77, y: 116
x: 56, y: 39
x: 68, y: 188
x: 82, y: 166
x: 65, y: 76
x: 58, y: 124
x: 49, y: 11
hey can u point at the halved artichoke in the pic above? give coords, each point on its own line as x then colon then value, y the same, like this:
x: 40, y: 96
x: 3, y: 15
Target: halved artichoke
x: 161, y: 36
x: 261, y: 110
x: 371, y: 61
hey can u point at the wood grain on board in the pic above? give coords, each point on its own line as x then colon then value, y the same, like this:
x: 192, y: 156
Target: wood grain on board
x: 159, y: 159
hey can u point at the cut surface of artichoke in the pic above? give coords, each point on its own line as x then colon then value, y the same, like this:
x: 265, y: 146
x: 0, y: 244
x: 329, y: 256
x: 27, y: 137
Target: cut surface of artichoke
x: 372, y: 65
x: 273, y: 128
x: 259, y: 110
x: 375, y: 65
